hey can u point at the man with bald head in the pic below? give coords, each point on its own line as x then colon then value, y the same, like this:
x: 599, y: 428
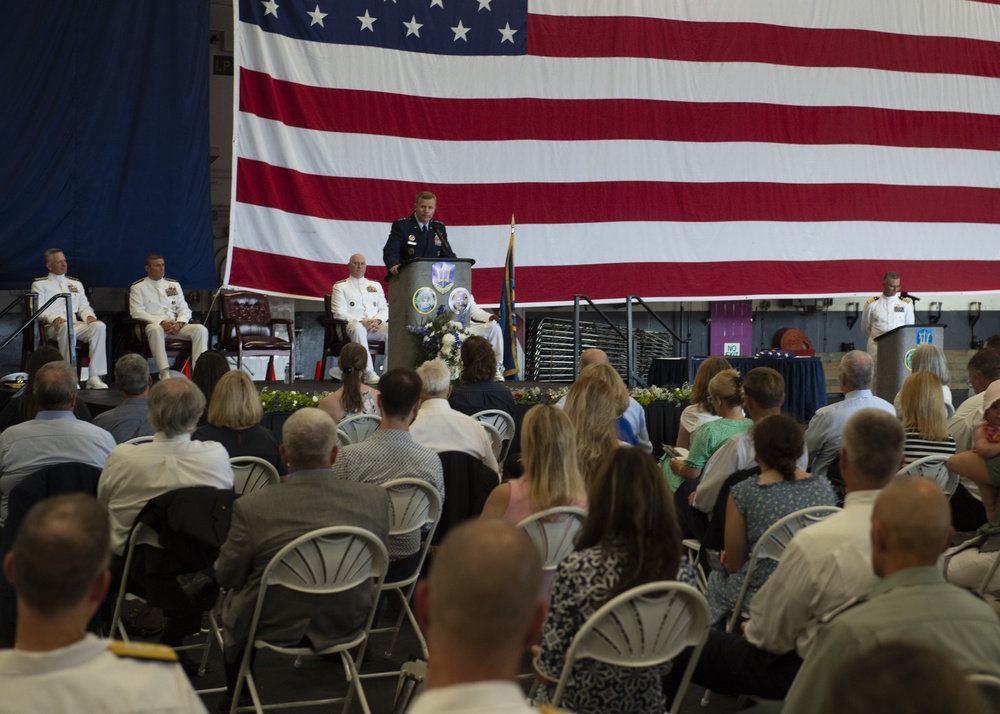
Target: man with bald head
x: 361, y: 302
x: 911, y: 527
x: 481, y: 611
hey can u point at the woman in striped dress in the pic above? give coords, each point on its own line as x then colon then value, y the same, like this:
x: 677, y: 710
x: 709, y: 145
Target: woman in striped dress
x: 924, y: 418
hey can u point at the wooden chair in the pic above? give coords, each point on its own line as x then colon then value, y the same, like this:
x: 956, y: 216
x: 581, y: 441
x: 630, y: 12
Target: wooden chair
x: 248, y: 329
x: 335, y: 336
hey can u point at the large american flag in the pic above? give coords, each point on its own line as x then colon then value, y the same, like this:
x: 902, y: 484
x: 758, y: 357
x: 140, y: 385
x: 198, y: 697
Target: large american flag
x: 661, y: 148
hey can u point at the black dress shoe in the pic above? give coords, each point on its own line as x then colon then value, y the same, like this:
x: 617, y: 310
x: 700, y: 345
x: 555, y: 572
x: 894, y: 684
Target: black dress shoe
x: 200, y: 590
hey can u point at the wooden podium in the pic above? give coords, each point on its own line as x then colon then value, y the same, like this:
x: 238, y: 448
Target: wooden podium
x: 895, y: 349
x: 422, y: 286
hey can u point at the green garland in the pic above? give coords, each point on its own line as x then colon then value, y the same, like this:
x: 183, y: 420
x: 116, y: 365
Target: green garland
x: 275, y: 402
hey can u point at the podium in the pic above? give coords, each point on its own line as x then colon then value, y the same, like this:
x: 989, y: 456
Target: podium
x: 422, y: 286
x: 895, y: 350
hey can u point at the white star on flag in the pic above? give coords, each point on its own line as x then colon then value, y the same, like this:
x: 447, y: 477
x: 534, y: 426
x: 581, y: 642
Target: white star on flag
x: 508, y: 34
x: 413, y: 27
x: 461, y: 32
x: 439, y: 3
x: 367, y: 22
x: 271, y: 7
x: 317, y: 17
x: 486, y: 4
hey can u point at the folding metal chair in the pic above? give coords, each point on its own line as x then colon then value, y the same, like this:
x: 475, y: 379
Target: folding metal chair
x: 988, y: 686
x: 329, y: 560
x: 496, y: 441
x: 359, y: 427
x: 936, y: 469
x: 251, y: 473
x: 137, y: 440
x: 553, y: 532
x: 503, y: 423
x: 643, y: 627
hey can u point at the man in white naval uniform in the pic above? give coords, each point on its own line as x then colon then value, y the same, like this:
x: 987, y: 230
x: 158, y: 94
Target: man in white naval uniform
x: 885, y: 312
x: 85, y: 323
x: 361, y: 302
x: 484, y: 324
x: 160, y: 303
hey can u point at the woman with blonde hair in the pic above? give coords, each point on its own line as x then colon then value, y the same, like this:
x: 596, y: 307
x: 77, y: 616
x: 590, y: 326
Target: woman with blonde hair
x: 700, y: 410
x: 725, y: 394
x: 354, y: 396
x: 609, y: 375
x: 629, y: 538
x: 924, y: 422
x: 234, y: 416
x: 929, y: 358
x: 591, y: 407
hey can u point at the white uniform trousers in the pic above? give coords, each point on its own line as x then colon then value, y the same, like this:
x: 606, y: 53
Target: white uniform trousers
x: 197, y: 335
x: 94, y: 334
x: 360, y: 334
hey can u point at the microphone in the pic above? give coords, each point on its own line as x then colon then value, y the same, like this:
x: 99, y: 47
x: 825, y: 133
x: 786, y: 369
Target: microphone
x: 905, y: 294
x: 444, y: 241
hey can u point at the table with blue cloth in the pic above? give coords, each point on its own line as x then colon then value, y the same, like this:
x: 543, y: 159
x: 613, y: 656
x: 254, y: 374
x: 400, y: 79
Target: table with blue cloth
x: 805, y: 381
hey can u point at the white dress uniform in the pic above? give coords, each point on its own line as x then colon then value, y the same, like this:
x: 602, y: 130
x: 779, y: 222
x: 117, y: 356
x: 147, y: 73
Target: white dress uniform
x: 95, y: 675
x: 479, y: 324
x: 356, y: 299
x: 154, y: 301
x: 94, y: 334
x: 882, y: 314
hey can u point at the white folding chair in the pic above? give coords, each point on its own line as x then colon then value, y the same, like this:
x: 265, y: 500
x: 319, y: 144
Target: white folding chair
x: 143, y: 534
x: 326, y: 561
x: 359, y: 427
x: 342, y: 439
x: 137, y: 440
x: 503, y: 423
x: 643, y: 627
x: 496, y: 441
x: 984, y: 585
x: 988, y: 686
x: 414, y: 507
x: 936, y: 469
x: 553, y: 532
x: 251, y: 473
x: 692, y: 549
x: 770, y: 546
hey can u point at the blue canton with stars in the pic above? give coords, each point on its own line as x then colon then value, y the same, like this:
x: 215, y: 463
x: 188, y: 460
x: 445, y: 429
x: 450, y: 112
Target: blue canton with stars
x: 444, y: 27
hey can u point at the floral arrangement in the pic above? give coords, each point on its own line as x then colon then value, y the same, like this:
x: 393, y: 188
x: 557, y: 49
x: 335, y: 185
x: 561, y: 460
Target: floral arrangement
x: 441, y: 338
x: 288, y: 401
x: 644, y: 395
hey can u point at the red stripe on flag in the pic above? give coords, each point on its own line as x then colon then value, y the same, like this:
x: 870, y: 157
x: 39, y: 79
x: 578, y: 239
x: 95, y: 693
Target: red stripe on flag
x: 565, y: 36
x: 340, y: 198
x: 284, y: 274
x: 322, y: 109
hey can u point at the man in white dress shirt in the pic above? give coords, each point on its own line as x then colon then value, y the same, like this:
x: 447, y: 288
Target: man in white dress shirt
x: 885, y: 312
x: 361, y: 302
x: 160, y: 303
x: 85, y: 323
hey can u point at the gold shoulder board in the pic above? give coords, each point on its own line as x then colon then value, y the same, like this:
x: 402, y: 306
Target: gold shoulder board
x: 142, y: 650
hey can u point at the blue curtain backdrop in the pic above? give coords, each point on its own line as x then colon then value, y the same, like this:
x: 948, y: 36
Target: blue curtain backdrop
x: 104, y: 119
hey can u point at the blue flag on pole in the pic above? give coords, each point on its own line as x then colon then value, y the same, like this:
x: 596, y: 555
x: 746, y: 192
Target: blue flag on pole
x: 508, y: 318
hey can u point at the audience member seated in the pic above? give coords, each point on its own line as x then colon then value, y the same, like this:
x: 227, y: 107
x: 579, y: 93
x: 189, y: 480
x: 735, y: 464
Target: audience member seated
x: 130, y: 418
x: 234, y: 416
x: 633, y: 421
x: 725, y: 394
x: 354, y: 396
x: 700, y: 410
x: 53, y: 436
x: 478, y: 390
x: 265, y: 521
x: 607, y: 374
x: 923, y: 413
x: 21, y: 407
x: 59, y: 567
x: 823, y: 434
x: 929, y: 358
x: 911, y: 527
x: 480, y: 612
x: 591, y: 409
x: 966, y: 503
x: 136, y: 473
x: 630, y: 538
x: 825, y: 566
x: 757, y: 503
x: 764, y: 393
x: 390, y: 454
x: 982, y: 465
x: 551, y: 477
x: 441, y: 428
x: 901, y: 676
x: 206, y: 374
